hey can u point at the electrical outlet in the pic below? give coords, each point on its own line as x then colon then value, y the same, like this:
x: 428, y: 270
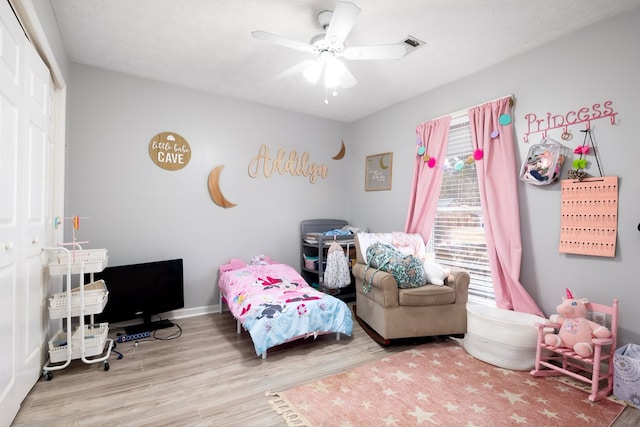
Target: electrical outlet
x: 599, y: 318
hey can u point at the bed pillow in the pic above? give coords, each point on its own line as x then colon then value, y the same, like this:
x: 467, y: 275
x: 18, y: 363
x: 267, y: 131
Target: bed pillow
x: 234, y: 264
x: 263, y: 260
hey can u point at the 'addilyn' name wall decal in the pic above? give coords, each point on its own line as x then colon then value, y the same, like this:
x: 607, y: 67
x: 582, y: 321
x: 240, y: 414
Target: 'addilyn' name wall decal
x: 292, y: 164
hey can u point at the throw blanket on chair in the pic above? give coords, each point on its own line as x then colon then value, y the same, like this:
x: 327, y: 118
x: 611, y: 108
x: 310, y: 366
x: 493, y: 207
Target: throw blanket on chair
x: 406, y: 269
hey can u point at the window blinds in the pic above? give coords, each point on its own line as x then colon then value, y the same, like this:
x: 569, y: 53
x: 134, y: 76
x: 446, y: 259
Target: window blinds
x: 458, y: 233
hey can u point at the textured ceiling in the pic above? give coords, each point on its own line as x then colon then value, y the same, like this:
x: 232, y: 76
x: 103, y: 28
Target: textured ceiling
x: 207, y: 44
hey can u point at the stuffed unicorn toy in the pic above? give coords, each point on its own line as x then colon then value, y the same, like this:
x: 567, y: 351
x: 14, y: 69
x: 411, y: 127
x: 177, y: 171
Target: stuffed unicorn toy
x: 576, y: 331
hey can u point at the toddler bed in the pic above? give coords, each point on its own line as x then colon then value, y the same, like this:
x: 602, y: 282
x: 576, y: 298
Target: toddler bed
x: 275, y: 304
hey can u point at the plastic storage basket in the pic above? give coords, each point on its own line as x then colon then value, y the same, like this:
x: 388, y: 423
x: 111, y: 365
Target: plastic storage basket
x: 310, y: 261
x: 543, y: 165
x: 94, y: 260
x: 95, y: 298
x: 94, y: 340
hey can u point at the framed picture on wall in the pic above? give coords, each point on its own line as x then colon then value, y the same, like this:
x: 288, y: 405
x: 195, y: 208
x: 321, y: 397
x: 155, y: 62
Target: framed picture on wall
x: 378, y: 172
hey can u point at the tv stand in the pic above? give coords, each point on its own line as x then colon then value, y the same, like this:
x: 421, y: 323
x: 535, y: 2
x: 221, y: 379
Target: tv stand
x: 148, y: 326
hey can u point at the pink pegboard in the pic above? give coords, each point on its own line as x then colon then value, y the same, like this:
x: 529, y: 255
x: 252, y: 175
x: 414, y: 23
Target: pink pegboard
x: 589, y: 222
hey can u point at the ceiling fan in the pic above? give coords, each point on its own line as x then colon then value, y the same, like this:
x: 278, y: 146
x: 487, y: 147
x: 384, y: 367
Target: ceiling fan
x: 329, y: 46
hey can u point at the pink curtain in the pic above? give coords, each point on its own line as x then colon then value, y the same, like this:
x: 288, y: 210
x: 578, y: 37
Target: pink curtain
x: 427, y: 177
x: 497, y: 179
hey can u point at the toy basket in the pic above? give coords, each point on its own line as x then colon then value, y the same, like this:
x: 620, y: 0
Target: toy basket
x: 626, y: 374
x: 95, y: 298
x: 310, y: 262
x: 93, y: 260
x: 94, y: 340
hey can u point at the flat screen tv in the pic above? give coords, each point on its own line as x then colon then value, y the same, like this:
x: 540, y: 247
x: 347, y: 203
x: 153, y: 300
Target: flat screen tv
x: 141, y: 291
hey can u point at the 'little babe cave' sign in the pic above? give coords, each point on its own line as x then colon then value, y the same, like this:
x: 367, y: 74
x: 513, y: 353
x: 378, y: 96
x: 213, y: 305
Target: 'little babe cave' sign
x: 169, y: 151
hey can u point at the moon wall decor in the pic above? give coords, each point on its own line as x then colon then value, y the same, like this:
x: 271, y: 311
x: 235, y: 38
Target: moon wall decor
x: 214, y: 188
x: 382, y: 165
x: 341, y: 153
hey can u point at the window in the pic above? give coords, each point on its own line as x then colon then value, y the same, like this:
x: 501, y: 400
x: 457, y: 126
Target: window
x: 457, y: 237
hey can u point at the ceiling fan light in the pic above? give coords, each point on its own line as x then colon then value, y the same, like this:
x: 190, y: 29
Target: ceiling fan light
x: 333, y: 72
x: 312, y: 72
x: 331, y: 82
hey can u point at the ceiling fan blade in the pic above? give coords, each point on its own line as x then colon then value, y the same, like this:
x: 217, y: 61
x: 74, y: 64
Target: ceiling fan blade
x: 386, y: 51
x: 342, y: 20
x: 282, y: 41
x: 295, y: 70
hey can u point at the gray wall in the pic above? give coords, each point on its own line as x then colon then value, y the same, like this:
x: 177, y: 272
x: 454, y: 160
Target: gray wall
x: 141, y: 212
x: 47, y: 20
x: 594, y: 65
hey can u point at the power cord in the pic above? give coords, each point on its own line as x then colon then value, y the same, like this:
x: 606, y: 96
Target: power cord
x: 176, y: 334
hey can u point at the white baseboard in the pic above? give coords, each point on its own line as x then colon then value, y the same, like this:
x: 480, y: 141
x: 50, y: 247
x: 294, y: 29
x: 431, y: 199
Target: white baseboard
x: 191, y: 312
x: 182, y: 313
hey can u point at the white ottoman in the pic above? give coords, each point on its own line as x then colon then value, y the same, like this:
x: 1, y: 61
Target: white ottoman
x: 502, y: 338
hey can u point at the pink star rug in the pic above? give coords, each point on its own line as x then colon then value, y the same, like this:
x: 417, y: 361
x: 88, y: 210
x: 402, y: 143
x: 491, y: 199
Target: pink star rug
x: 439, y: 384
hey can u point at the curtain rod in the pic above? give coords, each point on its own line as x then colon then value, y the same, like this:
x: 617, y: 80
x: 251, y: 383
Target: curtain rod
x: 464, y: 110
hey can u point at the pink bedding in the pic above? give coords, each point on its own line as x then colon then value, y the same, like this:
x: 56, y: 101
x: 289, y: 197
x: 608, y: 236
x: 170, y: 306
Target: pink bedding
x: 276, y: 305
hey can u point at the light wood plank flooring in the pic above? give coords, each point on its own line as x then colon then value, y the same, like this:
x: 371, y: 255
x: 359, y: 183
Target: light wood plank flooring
x: 210, y: 376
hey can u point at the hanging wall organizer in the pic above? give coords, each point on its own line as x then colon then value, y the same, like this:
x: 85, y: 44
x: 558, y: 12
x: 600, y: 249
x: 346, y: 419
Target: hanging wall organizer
x: 589, y: 212
x: 589, y: 220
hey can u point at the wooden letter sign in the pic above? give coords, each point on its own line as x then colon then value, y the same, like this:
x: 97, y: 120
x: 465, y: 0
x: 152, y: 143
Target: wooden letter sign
x: 169, y: 151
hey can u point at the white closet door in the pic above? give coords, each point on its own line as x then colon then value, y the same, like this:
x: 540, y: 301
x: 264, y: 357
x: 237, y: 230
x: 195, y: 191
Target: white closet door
x: 36, y: 147
x: 25, y: 211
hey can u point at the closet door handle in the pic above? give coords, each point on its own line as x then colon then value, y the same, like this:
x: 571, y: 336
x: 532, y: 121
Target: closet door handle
x: 8, y: 246
x: 34, y: 241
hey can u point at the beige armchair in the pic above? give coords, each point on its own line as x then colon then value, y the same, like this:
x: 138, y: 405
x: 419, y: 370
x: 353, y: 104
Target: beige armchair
x: 393, y: 312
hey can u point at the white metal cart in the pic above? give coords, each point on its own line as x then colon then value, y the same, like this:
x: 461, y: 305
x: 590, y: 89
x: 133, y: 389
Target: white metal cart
x: 88, y: 341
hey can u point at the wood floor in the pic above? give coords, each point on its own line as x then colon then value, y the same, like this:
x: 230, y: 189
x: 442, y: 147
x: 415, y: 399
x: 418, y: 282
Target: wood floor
x: 209, y: 376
